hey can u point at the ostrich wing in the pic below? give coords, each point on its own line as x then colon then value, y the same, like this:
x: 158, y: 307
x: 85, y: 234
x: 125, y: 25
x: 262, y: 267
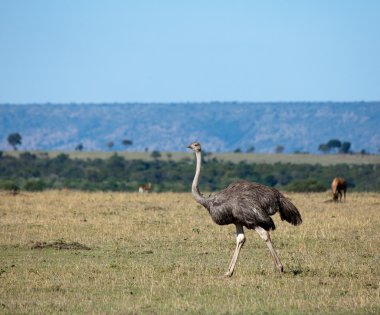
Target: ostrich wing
x: 245, y: 203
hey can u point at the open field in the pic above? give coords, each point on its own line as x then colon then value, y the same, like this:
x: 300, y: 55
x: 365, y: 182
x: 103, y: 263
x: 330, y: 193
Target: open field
x: 124, y: 253
x: 322, y: 159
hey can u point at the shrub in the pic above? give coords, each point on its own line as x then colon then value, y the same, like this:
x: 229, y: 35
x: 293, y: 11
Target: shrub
x: 10, y: 186
x: 35, y: 185
x: 155, y: 154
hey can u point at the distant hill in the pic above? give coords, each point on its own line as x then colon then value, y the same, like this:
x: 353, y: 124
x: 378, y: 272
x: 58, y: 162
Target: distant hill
x: 221, y: 127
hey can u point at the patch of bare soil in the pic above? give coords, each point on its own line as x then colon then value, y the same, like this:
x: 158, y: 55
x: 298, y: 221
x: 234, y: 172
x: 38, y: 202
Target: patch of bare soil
x: 153, y: 208
x: 59, y: 244
x: 329, y: 201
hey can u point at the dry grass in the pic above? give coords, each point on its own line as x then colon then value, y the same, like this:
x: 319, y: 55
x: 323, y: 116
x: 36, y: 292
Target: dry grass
x: 160, y: 253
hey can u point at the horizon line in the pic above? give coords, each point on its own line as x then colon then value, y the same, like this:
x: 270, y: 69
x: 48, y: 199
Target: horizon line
x: 187, y: 102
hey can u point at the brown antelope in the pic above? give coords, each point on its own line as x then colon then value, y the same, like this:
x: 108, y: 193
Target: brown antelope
x: 145, y: 188
x: 338, y: 186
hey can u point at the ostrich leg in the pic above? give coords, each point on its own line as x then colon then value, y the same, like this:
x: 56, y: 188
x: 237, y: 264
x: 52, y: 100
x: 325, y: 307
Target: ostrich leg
x: 239, y: 243
x: 264, y: 234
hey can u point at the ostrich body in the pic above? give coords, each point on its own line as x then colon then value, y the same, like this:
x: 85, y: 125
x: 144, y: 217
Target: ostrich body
x: 245, y: 204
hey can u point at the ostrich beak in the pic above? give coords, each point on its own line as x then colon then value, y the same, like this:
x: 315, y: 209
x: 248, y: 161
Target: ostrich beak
x: 189, y: 146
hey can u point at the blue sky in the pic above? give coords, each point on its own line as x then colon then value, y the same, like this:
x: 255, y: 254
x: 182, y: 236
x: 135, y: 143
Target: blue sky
x: 189, y: 51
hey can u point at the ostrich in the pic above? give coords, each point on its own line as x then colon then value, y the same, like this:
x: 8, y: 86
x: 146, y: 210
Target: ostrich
x: 245, y: 204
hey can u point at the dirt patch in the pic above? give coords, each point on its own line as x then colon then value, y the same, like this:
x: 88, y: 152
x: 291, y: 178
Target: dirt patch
x: 328, y: 201
x: 60, y: 244
x: 153, y: 208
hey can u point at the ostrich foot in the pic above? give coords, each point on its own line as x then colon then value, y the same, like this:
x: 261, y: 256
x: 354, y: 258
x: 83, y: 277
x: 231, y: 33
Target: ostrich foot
x: 280, y: 268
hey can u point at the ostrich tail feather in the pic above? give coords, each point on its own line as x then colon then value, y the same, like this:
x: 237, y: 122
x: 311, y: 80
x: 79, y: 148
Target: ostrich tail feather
x: 289, y: 212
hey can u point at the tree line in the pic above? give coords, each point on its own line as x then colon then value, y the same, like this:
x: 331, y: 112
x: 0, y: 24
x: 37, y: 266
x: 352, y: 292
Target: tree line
x: 34, y: 173
x: 331, y: 146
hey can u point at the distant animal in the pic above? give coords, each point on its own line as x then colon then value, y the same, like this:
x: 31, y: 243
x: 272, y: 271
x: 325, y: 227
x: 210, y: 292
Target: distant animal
x: 146, y: 188
x: 338, y: 186
x: 245, y: 204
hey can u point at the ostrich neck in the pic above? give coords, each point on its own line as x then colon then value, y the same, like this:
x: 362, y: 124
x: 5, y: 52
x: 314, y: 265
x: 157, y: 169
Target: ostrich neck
x: 194, y: 188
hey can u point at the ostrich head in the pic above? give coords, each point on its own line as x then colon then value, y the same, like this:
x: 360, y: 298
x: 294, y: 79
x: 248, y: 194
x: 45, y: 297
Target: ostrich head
x: 195, y: 146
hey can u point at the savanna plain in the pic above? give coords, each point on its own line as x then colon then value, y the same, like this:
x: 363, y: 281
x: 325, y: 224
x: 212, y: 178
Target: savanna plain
x: 127, y: 253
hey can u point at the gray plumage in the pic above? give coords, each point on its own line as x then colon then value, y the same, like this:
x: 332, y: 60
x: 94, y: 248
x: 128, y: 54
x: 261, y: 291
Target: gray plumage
x: 251, y: 205
x: 247, y: 204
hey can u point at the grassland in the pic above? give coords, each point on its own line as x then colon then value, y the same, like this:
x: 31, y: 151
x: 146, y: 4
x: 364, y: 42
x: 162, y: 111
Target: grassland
x: 123, y: 253
x: 322, y: 159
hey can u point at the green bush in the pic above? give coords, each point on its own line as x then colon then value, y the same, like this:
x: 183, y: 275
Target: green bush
x: 118, y: 174
x: 35, y: 185
x: 10, y: 186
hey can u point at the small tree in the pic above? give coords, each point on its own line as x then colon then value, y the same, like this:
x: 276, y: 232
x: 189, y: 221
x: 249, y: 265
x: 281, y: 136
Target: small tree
x: 110, y: 145
x: 345, y: 147
x: 334, y: 144
x: 155, y: 154
x: 279, y: 149
x: 251, y: 149
x: 14, y: 139
x: 324, y: 148
x: 79, y: 147
x: 127, y: 142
